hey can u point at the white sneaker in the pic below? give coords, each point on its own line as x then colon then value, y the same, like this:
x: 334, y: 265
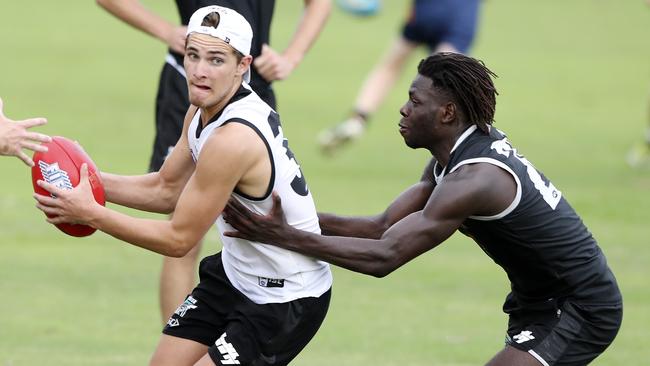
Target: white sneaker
x: 338, y: 135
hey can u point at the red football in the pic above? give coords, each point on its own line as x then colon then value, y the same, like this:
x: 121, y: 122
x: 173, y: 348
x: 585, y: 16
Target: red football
x: 60, y: 166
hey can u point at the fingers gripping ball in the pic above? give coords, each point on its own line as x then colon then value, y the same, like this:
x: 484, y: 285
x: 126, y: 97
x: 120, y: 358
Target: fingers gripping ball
x: 60, y: 166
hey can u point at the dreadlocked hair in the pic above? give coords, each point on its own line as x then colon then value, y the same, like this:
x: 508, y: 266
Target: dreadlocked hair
x: 467, y: 80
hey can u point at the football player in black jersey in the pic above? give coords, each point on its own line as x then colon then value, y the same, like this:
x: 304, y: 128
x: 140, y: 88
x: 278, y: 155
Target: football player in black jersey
x: 177, y: 277
x: 14, y: 137
x: 565, y: 307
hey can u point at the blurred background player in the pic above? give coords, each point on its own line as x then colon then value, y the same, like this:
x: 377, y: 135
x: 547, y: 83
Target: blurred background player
x: 14, y: 137
x: 177, y: 276
x: 639, y: 156
x: 441, y: 25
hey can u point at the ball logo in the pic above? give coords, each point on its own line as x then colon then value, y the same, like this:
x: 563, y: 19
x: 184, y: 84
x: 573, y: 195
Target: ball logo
x: 54, y: 175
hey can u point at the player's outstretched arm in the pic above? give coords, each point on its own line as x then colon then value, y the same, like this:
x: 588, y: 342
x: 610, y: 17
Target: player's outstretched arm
x: 237, y: 147
x: 373, y: 227
x: 278, y: 66
x: 14, y: 137
x: 478, y: 189
x: 135, y: 14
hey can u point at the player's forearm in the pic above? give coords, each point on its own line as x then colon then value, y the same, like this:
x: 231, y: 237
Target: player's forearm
x: 373, y: 227
x: 143, y: 192
x: 367, y: 256
x: 155, y: 235
x: 359, y: 227
x: 135, y: 14
x: 312, y: 22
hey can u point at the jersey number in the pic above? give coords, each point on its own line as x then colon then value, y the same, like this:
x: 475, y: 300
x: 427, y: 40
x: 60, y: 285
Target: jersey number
x: 548, y: 191
x: 298, y: 184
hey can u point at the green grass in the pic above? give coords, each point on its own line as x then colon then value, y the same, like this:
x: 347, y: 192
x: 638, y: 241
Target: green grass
x: 573, y: 82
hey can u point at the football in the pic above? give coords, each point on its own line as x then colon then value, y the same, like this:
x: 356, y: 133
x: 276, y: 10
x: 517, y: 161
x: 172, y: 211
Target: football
x: 360, y: 8
x: 60, y: 166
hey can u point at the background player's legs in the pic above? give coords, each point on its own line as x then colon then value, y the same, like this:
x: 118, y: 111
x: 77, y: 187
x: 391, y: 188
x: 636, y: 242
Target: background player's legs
x: 174, y: 351
x: 177, y: 279
x: 373, y: 92
x: 384, y: 76
x: 511, y: 356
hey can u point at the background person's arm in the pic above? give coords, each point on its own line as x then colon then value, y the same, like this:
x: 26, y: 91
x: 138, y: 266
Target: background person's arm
x: 278, y: 66
x: 135, y: 14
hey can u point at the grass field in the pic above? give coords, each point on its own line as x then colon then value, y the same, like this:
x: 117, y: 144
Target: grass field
x: 574, y: 78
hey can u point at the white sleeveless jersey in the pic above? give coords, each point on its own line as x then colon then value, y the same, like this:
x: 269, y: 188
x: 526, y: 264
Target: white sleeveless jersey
x: 266, y: 273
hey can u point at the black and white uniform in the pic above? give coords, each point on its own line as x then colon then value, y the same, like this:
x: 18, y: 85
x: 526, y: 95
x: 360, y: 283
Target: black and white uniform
x: 172, y: 100
x: 257, y: 304
x: 565, y: 306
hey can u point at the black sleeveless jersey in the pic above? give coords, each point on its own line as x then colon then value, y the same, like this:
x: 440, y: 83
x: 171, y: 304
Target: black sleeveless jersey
x: 257, y: 12
x: 539, y: 240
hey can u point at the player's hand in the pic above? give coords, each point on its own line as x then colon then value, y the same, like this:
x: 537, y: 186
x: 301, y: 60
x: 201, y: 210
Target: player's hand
x: 272, y: 65
x: 71, y: 206
x: 176, y: 39
x: 268, y: 229
x: 14, y: 137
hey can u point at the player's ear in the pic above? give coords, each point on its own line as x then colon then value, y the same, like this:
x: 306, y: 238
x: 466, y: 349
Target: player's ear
x: 244, y: 65
x: 448, y: 112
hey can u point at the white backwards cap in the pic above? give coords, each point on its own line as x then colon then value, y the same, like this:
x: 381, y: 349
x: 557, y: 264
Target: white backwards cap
x: 232, y: 29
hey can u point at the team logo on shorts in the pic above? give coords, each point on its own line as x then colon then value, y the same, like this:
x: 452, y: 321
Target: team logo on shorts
x: 227, y: 350
x: 524, y: 336
x: 188, y: 304
x: 173, y: 322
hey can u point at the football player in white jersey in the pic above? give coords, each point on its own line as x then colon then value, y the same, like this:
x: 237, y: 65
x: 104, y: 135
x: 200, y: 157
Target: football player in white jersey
x: 255, y: 304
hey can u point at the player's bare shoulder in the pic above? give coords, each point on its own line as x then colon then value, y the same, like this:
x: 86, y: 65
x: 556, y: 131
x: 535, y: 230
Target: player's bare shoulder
x: 491, y: 188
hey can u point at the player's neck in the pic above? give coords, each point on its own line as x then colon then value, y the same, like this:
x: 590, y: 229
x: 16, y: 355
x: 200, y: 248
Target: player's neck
x: 207, y: 113
x: 443, y: 148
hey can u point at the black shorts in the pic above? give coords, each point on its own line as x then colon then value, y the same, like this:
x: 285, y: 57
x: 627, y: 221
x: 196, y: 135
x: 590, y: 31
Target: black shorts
x: 172, y: 103
x: 237, y: 329
x: 569, y: 334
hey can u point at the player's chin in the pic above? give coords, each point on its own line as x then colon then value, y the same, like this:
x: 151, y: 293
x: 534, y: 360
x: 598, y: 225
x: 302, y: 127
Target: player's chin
x: 405, y: 136
x: 410, y: 142
x: 198, y: 100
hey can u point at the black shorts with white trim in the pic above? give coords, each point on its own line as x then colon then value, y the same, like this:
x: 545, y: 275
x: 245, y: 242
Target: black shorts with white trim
x: 567, y: 334
x: 239, y: 331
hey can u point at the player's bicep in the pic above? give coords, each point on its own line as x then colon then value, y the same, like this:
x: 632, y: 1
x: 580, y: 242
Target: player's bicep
x: 453, y: 200
x: 223, y: 161
x: 199, y: 205
x: 473, y: 189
